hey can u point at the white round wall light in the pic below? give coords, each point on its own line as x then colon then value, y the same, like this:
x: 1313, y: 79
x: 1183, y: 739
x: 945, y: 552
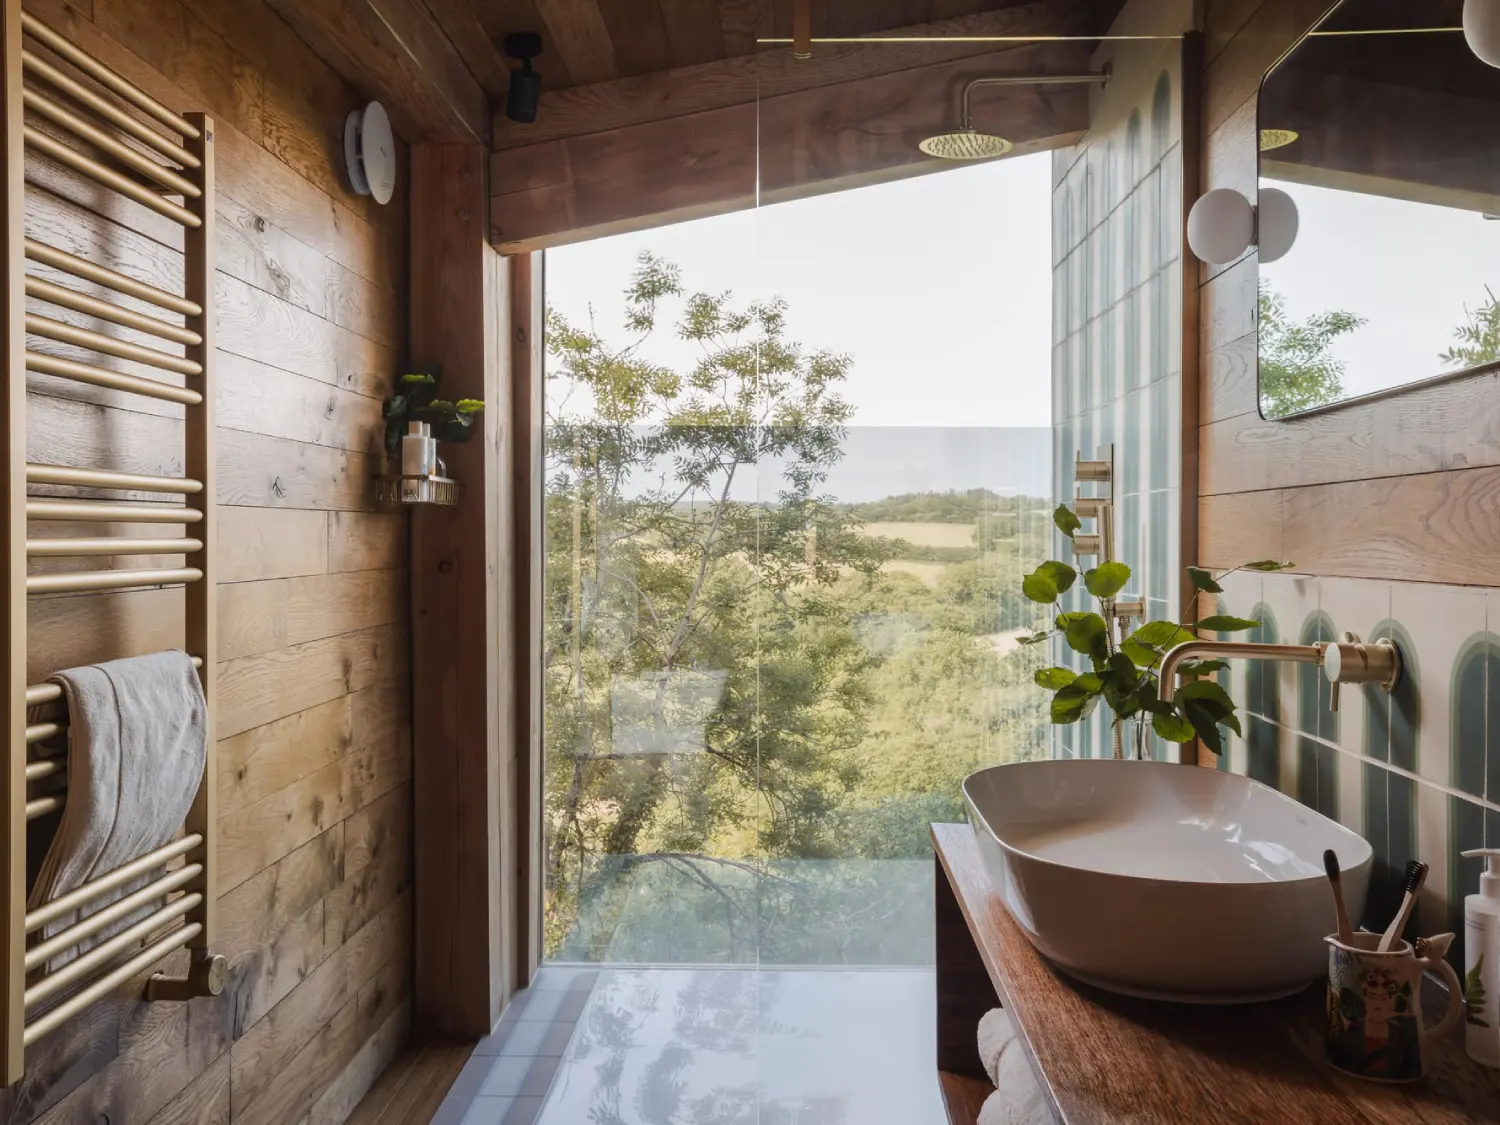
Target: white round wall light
x: 1482, y: 29
x: 370, y: 152
x: 1276, y: 224
x: 1221, y: 226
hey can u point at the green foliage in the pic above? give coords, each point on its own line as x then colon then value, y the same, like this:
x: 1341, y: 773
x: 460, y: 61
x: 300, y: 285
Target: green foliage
x: 1107, y: 579
x: 1125, y: 668
x: 1474, y: 993
x: 1224, y: 623
x: 1203, y: 580
x: 745, y: 681
x: 1267, y: 566
x: 1066, y: 520
x: 416, y: 400
x: 1297, y: 369
x: 1478, y: 337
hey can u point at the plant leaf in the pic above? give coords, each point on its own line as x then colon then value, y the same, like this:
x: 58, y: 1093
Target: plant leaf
x: 1090, y: 683
x: 1040, y: 588
x: 1203, y: 580
x: 1054, y: 679
x: 1141, y: 655
x: 1201, y: 667
x: 1062, y: 575
x: 1035, y: 638
x: 1071, y: 704
x: 1065, y: 520
x: 1268, y: 566
x: 1086, y: 633
x: 1162, y: 634
x: 1206, y: 692
x: 1107, y: 579
x: 1224, y: 623
x: 1172, y: 728
x: 1232, y: 721
x: 1149, y: 700
x: 1206, y: 725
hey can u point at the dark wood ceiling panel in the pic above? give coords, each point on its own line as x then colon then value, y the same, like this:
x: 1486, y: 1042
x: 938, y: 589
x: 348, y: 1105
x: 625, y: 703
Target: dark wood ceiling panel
x: 639, y: 36
x: 743, y: 22
x: 461, y: 22
x: 575, y: 32
x: 694, y: 31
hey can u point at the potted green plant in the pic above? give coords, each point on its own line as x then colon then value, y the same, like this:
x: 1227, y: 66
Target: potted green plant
x: 1125, y: 664
x: 416, y: 400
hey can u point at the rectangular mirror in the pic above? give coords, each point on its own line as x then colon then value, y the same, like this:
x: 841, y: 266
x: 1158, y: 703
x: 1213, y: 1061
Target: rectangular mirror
x: 1383, y: 127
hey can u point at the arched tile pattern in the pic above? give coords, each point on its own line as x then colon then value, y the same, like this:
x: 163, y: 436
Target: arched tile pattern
x: 1475, y: 760
x: 1318, y: 725
x: 1392, y: 723
x: 1263, y: 702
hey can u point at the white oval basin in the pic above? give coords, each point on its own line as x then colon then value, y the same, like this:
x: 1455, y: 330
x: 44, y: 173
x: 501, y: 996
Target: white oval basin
x: 1162, y: 880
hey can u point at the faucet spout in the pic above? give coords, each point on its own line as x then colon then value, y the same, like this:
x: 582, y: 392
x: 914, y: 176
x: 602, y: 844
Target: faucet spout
x: 1208, y: 650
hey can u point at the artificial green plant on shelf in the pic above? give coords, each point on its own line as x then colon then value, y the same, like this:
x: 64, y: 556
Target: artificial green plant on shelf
x: 1125, y: 666
x: 416, y: 400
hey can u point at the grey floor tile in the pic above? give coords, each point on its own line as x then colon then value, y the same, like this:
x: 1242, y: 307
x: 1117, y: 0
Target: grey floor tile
x: 472, y: 1076
x: 568, y: 978
x: 507, y: 1075
x: 527, y: 1038
x: 543, y: 1005
x: 489, y: 1111
x: 524, y: 1112
x: 451, y: 1111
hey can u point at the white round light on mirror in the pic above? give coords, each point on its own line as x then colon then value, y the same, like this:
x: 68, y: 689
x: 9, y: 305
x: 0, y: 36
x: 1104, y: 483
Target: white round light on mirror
x: 370, y: 152
x: 1276, y: 223
x: 1221, y: 226
x: 1482, y: 29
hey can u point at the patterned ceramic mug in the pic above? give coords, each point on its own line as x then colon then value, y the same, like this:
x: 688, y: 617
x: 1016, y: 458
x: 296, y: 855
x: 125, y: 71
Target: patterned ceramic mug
x: 1375, y: 1024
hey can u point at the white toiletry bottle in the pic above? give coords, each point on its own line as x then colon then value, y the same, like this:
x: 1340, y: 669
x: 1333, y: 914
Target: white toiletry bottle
x: 1481, y: 959
x: 418, y: 457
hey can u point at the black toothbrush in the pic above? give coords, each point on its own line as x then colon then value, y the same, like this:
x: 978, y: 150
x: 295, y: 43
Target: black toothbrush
x: 1411, y: 879
x: 1331, y: 865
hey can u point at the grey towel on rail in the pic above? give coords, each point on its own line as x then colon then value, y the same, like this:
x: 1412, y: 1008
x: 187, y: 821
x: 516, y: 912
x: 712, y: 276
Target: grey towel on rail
x: 137, y: 731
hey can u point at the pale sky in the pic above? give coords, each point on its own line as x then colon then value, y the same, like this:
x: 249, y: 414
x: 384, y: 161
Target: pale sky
x: 1409, y: 268
x: 940, y: 287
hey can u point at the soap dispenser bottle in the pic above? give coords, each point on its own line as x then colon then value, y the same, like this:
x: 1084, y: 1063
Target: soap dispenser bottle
x: 1482, y: 962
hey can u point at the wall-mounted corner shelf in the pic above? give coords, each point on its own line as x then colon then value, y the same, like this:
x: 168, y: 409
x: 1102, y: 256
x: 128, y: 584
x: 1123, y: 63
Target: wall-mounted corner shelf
x: 402, y: 491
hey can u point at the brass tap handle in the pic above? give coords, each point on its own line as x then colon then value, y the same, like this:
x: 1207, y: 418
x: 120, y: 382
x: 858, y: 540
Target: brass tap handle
x: 1352, y: 661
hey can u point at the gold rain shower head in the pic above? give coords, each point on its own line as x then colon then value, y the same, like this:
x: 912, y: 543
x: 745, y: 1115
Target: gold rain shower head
x: 968, y: 143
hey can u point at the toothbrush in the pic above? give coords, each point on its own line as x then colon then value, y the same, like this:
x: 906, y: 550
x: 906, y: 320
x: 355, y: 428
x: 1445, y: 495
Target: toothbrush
x: 1413, y: 878
x: 1331, y: 865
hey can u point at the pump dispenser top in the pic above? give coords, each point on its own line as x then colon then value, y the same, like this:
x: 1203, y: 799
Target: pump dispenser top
x: 1489, y: 880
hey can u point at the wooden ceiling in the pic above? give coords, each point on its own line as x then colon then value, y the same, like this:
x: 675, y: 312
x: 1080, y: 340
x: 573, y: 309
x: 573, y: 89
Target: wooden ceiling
x: 658, y: 110
x: 587, y: 41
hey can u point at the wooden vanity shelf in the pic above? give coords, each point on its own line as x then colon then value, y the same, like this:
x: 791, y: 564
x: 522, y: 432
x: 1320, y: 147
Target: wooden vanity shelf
x: 1102, y: 1058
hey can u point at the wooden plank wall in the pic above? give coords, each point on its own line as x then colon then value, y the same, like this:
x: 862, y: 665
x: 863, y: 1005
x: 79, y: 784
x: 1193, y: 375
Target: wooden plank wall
x: 1390, y: 511
x: 315, y: 757
x: 1388, y: 490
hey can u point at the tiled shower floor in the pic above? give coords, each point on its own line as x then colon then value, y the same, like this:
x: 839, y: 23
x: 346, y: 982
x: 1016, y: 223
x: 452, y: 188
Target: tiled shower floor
x: 710, y: 1046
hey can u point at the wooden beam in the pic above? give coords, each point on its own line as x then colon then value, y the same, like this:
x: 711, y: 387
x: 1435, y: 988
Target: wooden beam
x: 394, y: 51
x: 781, y: 148
x: 461, y: 607
x: 604, y: 106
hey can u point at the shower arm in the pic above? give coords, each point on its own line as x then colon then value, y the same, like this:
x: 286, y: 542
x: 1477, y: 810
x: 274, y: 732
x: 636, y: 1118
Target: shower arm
x: 1028, y: 80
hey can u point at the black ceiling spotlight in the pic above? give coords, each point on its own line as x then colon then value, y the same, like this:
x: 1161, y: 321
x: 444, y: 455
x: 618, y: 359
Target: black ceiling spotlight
x: 525, y: 84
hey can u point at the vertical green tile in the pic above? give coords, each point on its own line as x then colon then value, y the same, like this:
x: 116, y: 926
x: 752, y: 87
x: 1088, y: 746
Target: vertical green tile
x: 1468, y: 726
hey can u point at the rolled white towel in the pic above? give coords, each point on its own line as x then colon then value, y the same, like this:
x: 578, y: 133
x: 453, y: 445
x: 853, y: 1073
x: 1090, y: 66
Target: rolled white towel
x: 1017, y: 1099
x: 996, y: 1031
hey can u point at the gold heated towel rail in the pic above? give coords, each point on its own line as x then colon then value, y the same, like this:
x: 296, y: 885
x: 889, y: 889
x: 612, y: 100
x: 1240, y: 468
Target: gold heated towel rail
x: 66, y: 108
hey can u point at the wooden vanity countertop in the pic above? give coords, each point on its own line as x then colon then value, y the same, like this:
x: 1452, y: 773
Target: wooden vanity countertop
x: 1104, y: 1059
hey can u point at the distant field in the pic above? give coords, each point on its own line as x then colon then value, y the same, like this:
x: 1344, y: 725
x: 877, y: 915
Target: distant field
x: 926, y: 534
x: 928, y: 572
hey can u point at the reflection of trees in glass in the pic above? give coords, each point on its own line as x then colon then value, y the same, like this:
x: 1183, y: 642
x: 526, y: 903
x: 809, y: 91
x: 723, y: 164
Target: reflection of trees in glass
x: 730, y: 676
x: 1297, y: 369
x: 1478, y: 338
